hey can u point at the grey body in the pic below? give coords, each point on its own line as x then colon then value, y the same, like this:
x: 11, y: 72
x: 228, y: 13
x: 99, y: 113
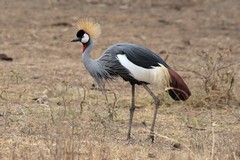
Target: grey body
x: 107, y: 67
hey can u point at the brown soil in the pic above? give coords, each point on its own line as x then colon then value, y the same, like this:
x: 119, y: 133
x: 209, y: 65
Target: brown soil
x: 50, y: 109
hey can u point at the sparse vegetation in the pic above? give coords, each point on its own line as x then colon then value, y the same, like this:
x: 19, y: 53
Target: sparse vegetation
x: 50, y: 109
x: 215, y: 70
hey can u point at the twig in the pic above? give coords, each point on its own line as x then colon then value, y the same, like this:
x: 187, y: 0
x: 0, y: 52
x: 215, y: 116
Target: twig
x: 213, y: 140
x: 193, y: 127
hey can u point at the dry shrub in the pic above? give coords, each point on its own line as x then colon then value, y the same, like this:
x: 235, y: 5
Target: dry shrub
x: 216, y: 72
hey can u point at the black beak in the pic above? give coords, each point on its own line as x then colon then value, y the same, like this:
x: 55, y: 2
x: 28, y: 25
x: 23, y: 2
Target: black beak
x: 76, y: 40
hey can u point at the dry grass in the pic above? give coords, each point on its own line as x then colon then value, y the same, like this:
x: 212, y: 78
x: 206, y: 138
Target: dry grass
x: 70, y: 120
x: 50, y: 109
x: 217, y: 75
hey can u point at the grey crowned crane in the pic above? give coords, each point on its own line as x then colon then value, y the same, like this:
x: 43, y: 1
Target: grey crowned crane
x: 134, y: 63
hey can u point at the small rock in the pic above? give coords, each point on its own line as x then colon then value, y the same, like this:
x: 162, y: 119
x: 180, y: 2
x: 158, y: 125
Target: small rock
x: 64, y: 24
x: 43, y: 100
x: 163, y: 21
x: 144, y: 124
x: 187, y: 42
x: 4, y: 57
x: 151, y: 155
x: 163, y: 52
x: 177, y: 146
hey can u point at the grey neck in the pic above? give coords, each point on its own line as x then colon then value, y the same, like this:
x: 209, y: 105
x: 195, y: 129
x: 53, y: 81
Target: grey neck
x: 91, y: 65
x: 97, y: 68
x: 86, y: 54
x: 94, y: 67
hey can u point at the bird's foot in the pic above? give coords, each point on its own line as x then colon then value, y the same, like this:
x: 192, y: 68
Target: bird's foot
x: 130, y: 140
x: 151, y: 137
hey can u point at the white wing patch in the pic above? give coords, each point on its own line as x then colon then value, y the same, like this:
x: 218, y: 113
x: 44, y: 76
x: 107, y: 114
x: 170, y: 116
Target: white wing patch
x: 157, y: 75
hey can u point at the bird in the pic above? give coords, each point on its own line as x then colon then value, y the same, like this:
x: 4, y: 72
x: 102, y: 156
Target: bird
x: 133, y: 63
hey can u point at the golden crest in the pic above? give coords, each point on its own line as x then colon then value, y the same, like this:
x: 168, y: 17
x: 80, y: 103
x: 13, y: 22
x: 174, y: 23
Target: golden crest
x: 89, y: 26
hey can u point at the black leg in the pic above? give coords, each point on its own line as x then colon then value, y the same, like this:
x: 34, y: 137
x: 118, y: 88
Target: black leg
x: 132, y: 108
x: 157, y: 103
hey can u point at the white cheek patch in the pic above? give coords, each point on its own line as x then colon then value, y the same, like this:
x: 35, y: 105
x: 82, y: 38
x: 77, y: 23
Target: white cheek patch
x: 85, y: 38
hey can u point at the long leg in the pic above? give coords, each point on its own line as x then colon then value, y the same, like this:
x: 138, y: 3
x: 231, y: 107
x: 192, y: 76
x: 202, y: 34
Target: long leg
x: 157, y: 103
x: 132, y: 108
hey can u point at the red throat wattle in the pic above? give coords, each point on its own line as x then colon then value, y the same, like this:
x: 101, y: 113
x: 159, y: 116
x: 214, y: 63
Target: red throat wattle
x: 84, y: 47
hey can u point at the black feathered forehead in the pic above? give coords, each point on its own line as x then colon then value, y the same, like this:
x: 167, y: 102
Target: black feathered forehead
x: 80, y: 33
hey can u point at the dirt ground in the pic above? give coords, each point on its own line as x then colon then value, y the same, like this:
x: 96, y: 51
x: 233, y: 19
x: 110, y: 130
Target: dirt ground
x: 51, y: 109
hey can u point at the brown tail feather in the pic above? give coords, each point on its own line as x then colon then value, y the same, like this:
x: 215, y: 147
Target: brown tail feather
x: 178, y: 88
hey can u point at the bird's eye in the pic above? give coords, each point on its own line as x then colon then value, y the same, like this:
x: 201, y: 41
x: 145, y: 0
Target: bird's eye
x: 85, y: 38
